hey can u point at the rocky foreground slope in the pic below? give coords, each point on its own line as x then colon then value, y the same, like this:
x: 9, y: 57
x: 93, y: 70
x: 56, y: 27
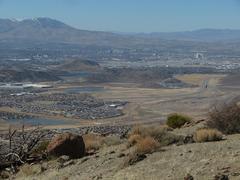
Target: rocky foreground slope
x: 200, y: 161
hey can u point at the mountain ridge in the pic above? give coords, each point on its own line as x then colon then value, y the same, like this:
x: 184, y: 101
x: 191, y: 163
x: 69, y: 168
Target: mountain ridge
x: 50, y: 30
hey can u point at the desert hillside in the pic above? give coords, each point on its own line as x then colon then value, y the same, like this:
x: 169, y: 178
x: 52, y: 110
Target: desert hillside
x: 182, y: 149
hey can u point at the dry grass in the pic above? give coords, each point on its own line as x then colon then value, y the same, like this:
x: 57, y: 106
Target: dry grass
x: 146, y: 145
x: 206, y: 135
x: 141, y: 147
x: 134, y: 139
x: 28, y: 170
x: 112, y: 140
x: 152, y: 130
x: 147, y: 139
x: 160, y: 133
x: 132, y: 159
x: 93, y: 142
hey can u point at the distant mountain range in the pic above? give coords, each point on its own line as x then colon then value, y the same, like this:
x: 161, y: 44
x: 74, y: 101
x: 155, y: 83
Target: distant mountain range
x: 47, y: 30
x: 50, y: 30
x: 208, y: 35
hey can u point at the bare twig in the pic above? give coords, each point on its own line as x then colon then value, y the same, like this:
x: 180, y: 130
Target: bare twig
x: 21, y: 145
x: 10, y: 136
x: 16, y: 155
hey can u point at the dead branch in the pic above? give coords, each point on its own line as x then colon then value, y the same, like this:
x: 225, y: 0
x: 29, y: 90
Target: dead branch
x: 21, y: 145
x: 17, y: 156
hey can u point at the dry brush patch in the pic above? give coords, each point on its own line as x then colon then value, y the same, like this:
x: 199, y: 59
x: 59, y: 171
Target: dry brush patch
x: 134, y: 139
x: 147, y: 145
x: 112, y: 140
x: 225, y: 117
x: 143, y: 146
x: 207, y: 135
x: 160, y: 133
x: 146, y: 140
x: 94, y: 142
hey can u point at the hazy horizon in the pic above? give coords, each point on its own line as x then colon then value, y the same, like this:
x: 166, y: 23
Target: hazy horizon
x: 130, y: 16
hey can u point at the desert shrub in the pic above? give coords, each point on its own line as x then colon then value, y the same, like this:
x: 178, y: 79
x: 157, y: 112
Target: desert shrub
x: 112, y: 141
x: 206, y: 135
x: 151, y: 130
x: 137, y: 130
x: 142, y: 147
x: 225, y: 118
x: 177, y: 120
x: 148, y: 139
x: 41, y: 148
x: 160, y: 133
x: 146, y: 145
x: 93, y: 142
x: 134, y: 139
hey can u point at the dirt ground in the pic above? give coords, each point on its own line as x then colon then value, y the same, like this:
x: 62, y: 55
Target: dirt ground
x: 202, y: 160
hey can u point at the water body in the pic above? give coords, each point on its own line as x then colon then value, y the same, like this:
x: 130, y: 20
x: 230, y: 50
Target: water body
x: 39, y: 121
x: 75, y: 90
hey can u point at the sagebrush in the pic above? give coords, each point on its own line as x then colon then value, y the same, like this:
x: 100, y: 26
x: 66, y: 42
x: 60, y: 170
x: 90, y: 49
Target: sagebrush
x: 225, y: 117
x: 177, y: 120
x: 160, y: 133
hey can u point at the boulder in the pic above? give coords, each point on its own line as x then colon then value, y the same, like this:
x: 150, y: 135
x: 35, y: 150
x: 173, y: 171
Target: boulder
x: 221, y: 177
x: 67, y: 144
x: 188, y: 177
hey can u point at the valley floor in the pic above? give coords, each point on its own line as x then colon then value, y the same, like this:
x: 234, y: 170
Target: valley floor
x: 153, y: 105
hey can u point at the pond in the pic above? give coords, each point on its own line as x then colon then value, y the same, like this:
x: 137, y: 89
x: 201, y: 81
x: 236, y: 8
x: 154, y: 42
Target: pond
x: 75, y: 90
x: 39, y: 121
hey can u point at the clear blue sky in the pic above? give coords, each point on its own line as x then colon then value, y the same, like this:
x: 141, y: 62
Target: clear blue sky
x: 130, y: 15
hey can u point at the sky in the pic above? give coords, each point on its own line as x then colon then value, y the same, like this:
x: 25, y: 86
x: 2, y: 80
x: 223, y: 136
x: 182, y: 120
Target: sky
x: 130, y: 15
